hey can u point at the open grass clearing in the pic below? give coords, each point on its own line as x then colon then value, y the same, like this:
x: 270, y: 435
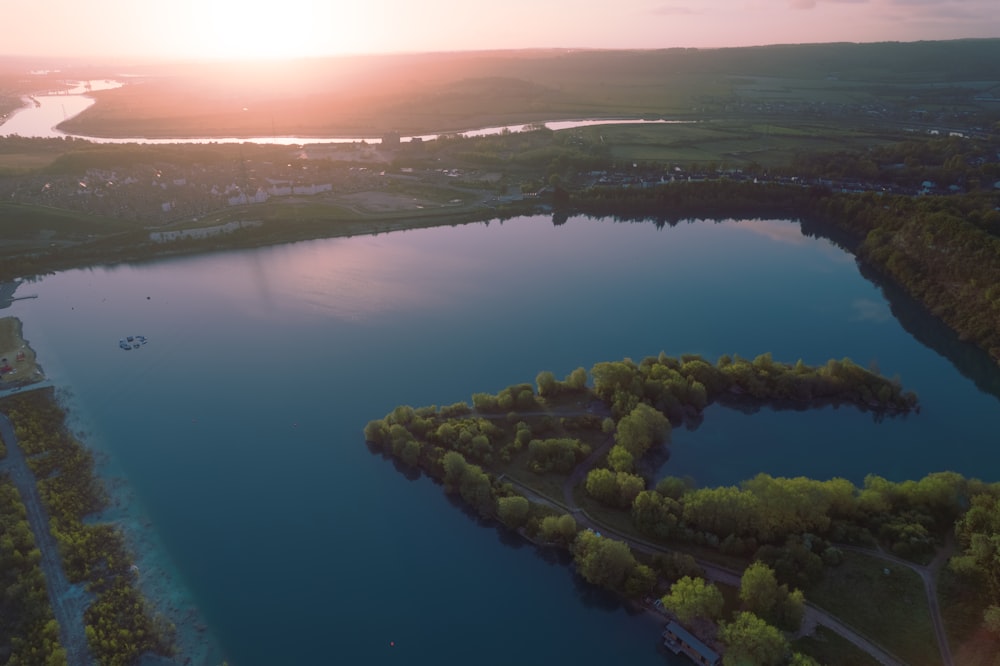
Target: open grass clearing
x: 18, y: 221
x: 17, y: 164
x: 732, y: 144
x: 890, y: 608
x: 829, y: 647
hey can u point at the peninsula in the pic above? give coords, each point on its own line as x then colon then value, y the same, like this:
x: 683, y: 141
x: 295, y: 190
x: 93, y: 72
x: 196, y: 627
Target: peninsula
x: 574, y: 466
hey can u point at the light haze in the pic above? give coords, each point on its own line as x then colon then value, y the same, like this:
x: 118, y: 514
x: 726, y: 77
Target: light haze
x: 190, y: 29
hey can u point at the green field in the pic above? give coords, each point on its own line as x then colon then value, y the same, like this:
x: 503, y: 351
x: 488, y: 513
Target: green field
x: 831, y: 648
x: 730, y: 144
x: 445, y: 92
x: 899, y: 622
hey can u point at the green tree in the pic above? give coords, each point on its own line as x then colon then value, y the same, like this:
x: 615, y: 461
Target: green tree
x: 547, y: 384
x: 558, y: 529
x: 750, y: 641
x: 454, y: 468
x: 602, y: 561
x: 513, y: 511
x: 577, y: 380
x: 759, y: 590
x: 640, y: 429
x: 620, y: 460
x: 690, y: 598
x: 640, y: 581
x: 602, y: 485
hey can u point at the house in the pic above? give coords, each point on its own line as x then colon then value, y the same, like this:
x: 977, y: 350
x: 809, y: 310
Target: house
x: 680, y: 640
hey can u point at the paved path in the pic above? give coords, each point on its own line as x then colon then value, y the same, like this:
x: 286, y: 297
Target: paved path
x: 813, y: 614
x: 68, y: 601
x: 928, y: 574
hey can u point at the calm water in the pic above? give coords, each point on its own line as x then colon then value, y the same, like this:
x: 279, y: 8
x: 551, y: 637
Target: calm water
x: 41, y: 119
x: 239, y: 424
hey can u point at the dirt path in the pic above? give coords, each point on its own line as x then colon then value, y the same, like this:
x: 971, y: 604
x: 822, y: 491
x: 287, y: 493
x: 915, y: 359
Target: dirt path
x: 68, y: 601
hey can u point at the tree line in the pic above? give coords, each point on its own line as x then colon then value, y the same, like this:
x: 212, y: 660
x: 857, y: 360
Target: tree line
x: 120, y: 624
x: 29, y: 633
x: 535, y: 436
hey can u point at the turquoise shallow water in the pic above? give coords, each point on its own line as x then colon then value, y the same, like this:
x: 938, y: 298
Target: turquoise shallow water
x: 238, y: 427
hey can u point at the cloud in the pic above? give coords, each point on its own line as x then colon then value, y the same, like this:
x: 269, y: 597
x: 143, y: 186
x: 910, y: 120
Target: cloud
x: 865, y: 309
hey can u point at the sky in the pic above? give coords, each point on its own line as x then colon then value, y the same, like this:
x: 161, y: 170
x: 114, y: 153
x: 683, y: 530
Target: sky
x: 197, y: 29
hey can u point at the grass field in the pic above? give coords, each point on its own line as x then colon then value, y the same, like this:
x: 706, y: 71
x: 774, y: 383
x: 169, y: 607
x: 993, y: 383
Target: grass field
x: 730, y: 144
x: 899, y: 622
x: 24, y: 222
x: 828, y: 647
x: 17, y: 164
x: 439, y: 92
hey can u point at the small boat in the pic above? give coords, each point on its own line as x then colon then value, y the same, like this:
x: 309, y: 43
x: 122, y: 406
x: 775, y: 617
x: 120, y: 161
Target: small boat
x: 132, y: 342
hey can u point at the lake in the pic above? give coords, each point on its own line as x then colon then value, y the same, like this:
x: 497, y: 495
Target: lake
x: 238, y: 427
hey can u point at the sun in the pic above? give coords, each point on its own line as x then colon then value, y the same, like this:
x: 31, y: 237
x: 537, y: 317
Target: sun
x: 250, y: 29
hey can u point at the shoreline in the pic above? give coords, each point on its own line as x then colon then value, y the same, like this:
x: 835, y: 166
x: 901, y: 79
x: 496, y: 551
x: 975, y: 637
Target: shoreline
x: 157, y: 580
x: 156, y: 577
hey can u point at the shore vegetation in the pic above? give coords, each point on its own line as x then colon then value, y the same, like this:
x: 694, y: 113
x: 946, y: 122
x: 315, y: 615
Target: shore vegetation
x: 120, y: 624
x: 568, y: 465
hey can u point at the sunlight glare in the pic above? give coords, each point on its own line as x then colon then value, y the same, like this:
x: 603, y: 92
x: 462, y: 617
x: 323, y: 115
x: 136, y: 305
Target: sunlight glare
x: 253, y: 29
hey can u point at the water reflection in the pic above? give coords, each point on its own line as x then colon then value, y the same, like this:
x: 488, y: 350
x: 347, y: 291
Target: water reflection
x: 866, y: 309
x: 968, y: 359
x: 351, y: 280
x: 329, y: 334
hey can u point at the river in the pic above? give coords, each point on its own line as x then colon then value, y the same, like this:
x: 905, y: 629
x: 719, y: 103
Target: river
x: 237, y: 430
x: 42, y: 114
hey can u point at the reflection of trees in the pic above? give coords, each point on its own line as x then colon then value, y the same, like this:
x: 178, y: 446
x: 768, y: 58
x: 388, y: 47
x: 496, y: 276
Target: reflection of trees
x: 970, y: 360
x: 846, y: 222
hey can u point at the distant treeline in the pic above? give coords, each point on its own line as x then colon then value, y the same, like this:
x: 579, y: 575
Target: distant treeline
x: 944, y: 251
x: 943, y: 161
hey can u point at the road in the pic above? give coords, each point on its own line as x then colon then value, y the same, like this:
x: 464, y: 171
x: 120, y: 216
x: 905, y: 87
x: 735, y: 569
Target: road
x: 68, y: 601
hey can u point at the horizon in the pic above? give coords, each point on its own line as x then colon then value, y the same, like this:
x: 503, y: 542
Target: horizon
x: 238, y: 30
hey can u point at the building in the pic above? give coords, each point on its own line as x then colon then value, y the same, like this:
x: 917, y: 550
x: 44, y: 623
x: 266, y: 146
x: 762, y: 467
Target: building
x: 680, y: 640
